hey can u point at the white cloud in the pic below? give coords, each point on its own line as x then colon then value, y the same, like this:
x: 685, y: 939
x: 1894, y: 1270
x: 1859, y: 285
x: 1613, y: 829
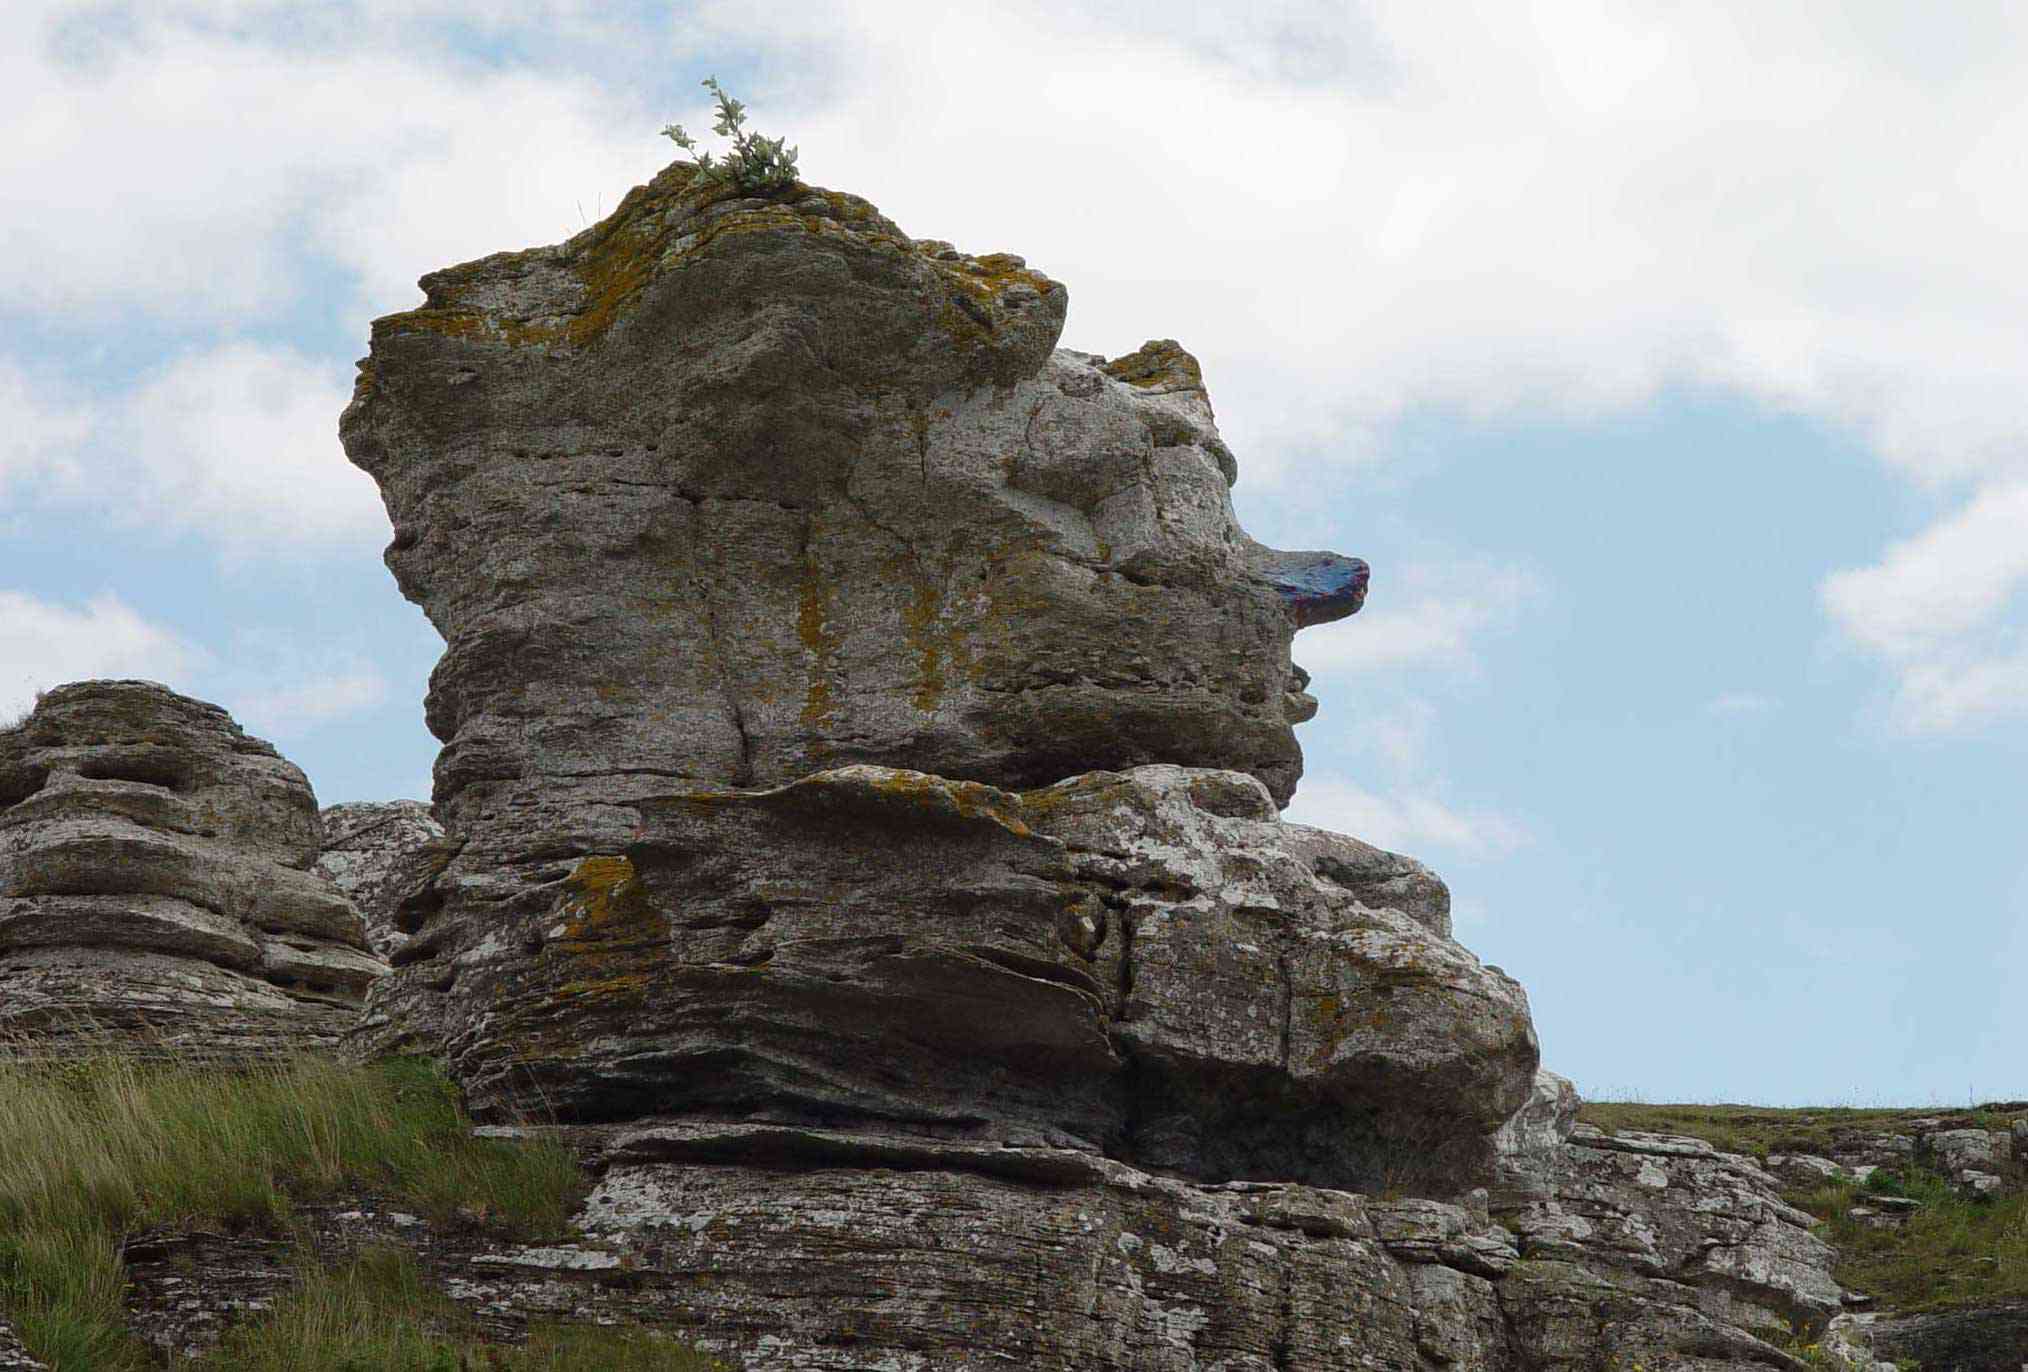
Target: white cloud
x: 290, y: 711
x: 241, y: 442
x: 39, y: 433
x: 45, y: 644
x: 1430, y: 617
x: 155, y: 189
x: 1942, y: 610
x: 237, y: 443
x: 1403, y: 821
x: 1741, y: 703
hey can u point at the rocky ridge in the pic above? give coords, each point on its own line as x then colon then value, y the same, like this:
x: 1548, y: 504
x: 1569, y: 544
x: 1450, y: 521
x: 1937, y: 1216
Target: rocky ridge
x: 154, y: 882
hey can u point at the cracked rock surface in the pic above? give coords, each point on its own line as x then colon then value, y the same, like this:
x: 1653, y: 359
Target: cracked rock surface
x: 154, y: 882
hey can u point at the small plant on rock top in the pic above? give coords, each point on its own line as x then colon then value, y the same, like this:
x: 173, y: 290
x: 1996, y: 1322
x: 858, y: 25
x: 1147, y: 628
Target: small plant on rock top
x: 755, y: 164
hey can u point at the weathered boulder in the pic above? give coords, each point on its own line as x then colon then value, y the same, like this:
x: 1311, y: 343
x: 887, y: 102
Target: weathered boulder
x: 155, y: 883
x: 725, y: 491
x: 1146, y: 962
x: 371, y: 852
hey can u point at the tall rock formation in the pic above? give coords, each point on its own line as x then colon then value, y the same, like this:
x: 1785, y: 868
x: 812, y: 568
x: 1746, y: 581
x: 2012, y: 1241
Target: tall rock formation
x: 154, y: 882
x: 865, y: 724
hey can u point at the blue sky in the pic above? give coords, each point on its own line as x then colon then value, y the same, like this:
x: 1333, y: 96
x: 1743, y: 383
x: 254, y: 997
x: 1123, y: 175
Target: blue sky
x: 1666, y: 366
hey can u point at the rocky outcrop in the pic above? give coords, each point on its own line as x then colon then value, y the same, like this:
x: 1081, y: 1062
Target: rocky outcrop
x: 864, y: 725
x: 1658, y: 1212
x: 375, y: 852
x: 1989, y: 1340
x: 154, y: 882
x: 1642, y: 1245
x: 1147, y: 963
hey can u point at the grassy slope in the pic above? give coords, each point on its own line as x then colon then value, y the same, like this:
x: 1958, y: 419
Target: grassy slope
x: 95, y: 1150
x: 1952, y: 1253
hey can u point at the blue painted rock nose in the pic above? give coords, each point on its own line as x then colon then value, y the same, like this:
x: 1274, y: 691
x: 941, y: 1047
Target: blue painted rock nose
x: 1317, y: 588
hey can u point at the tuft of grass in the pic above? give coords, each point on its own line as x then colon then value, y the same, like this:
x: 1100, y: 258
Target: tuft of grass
x: 96, y: 1148
x: 377, y: 1314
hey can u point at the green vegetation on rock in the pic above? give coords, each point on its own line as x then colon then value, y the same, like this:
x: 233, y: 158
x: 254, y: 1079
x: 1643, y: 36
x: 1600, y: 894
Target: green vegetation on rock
x: 1953, y: 1252
x: 1759, y: 1130
x: 755, y: 164
x: 377, y: 1314
x: 97, y: 1149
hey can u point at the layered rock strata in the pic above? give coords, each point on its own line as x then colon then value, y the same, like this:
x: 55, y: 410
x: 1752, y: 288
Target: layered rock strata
x: 1148, y: 963
x: 154, y: 882
x: 809, y: 1248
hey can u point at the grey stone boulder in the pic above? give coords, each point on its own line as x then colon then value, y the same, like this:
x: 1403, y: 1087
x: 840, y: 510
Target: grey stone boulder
x: 372, y: 851
x: 730, y: 490
x: 1148, y: 963
x: 155, y: 883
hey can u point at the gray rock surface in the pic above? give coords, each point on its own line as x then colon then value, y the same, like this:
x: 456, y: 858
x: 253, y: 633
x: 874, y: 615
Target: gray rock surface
x: 372, y: 851
x: 1679, y: 1209
x: 154, y: 882
x: 810, y: 1248
x: 1147, y: 962
x: 1989, y: 1340
x: 727, y: 491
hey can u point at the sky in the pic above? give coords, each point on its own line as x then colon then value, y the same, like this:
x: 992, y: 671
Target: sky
x: 1666, y: 362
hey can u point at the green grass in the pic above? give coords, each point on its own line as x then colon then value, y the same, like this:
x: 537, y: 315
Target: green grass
x: 376, y: 1314
x: 97, y: 1148
x: 1953, y: 1252
x: 1760, y: 1130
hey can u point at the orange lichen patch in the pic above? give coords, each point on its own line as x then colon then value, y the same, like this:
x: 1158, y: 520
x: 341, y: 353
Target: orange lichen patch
x: 618, y: 992
x: 608, y: 907
x: 973, y: 289
x: 933, y: 636
x: 657, y: 228
x: 1158, y: 362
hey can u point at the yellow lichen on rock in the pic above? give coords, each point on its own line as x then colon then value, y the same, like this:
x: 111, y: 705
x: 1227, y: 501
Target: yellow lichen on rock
x: 608, y: 905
